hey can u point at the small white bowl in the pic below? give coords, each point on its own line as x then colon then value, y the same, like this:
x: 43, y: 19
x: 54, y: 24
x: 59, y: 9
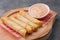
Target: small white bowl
x: 36, y: 10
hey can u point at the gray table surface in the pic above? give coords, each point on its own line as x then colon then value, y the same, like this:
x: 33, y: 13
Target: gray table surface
x: 6, y: 5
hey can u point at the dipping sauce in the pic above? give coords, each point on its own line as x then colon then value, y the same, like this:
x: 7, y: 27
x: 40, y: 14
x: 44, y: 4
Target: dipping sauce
x: 38, y: 10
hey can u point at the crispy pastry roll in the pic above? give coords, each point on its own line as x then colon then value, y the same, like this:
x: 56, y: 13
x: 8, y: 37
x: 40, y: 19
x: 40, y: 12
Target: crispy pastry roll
x: 22, y: 24
x: 33, y: 25
x: 14, y: 26
x: 25, y: 14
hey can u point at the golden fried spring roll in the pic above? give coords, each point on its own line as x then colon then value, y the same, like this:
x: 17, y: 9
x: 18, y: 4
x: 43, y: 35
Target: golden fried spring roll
x: 22, y: 24
x: 14, y: 26
x: 25, y: 14
x: 33, y: 25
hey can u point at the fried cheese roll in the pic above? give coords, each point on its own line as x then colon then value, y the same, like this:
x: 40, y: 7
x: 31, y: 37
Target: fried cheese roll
x: 33, y: 25
x: 22, y: 24
x: 26, y: 15
x: 14, y: 26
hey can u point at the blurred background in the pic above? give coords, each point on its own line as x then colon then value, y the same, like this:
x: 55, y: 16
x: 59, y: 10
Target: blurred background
x: 6, y: 5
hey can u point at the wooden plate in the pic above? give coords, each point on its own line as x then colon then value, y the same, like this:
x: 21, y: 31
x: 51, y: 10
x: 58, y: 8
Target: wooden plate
x: 5, y: 35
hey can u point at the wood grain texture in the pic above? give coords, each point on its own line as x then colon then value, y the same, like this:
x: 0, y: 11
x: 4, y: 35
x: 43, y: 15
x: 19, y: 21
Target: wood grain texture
x: 6, y: 35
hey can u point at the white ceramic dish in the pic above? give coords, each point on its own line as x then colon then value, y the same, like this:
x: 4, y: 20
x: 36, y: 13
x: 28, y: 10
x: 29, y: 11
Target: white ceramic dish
x: 39, y: 10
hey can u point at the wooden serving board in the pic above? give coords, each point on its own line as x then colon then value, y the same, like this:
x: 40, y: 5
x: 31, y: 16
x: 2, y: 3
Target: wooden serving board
x: 5, y: 35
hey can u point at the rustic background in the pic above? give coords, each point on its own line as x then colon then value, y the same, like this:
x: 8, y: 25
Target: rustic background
x: 6, y: 5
